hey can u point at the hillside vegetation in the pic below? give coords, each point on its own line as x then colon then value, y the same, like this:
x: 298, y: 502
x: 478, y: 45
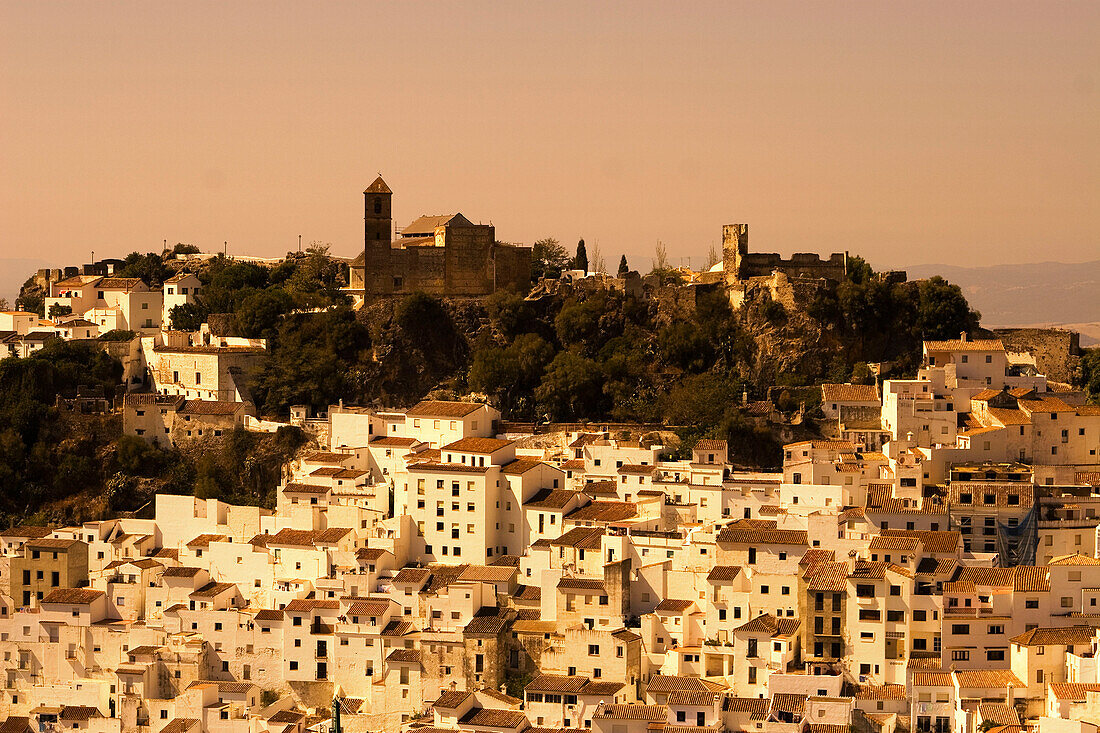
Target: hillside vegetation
x: 596, y: 356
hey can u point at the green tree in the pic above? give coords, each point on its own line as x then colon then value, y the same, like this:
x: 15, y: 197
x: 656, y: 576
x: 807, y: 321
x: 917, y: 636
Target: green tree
x: 580, y: 261
x: 187, y: 316
x: 149, y: 267
x: 1090, y: 373
x: 59, y: 311
x: 571, y: 388
x: 943, y: 312
x: 258, y: 314
x: 548, y: 258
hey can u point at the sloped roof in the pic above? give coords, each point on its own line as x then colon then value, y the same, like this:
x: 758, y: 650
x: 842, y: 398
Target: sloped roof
x: 379, y: 186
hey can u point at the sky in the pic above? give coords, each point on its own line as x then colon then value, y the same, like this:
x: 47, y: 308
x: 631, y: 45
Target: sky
x: 963, y: 133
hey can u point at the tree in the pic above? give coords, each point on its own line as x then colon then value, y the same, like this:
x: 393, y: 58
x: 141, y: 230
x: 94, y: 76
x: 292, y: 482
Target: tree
x: 580, y: 262
x: 598, y: 264
x: 660, y: 257
x: 187, y: 316
x: 1090, y: 373
x: 943, y: 311
x: 571, y: 388
x: 623, y: 267
x: 548, y: 258
x: 259, y: 313
x: 59, y: 311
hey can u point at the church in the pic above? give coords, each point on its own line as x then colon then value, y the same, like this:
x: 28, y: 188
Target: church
x: 444, y: 255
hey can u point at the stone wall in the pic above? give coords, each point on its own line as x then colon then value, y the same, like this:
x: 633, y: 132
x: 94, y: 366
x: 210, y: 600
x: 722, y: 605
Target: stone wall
x: 740, y: 264
x: 1057, y: 352
x: 472, y: 263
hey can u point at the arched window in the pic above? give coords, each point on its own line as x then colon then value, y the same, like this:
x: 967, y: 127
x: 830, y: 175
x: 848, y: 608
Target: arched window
x: 378, y: 204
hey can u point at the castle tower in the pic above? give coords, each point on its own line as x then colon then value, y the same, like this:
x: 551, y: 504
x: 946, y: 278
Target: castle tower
x: 377, y: 228
x: 735, y: 245
x: 377, y: 219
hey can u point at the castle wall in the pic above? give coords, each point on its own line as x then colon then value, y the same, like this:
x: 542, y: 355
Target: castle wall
x: 471, y: 263
x: 1057, y: 353
x: 740, y: 264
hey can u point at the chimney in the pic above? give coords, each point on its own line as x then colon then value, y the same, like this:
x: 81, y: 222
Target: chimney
x: 962, y: 337
x: 744, y: 397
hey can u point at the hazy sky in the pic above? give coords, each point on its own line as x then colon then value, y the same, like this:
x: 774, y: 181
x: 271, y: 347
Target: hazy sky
x: 908, y: 132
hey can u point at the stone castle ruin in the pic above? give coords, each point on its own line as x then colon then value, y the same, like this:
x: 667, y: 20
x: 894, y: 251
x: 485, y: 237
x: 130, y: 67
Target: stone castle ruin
x: 441, y: 255
x: 790, y: 282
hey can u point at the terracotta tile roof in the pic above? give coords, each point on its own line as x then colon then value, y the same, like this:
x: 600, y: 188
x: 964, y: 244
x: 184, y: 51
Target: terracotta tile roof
x: 392, y: 441
x: 650, y: 713
x: 893, y: 543
x: 371, y: 554
x: 604, y: 511
x: 228, y: 686
x: 1051, y: 636
x: 815, y: 556
x: 922, y: 678
x: 489, y: 573
x: 936, y: 542
x: 716, y: 446
x: 673, y: 605
x: 1075, y: 559
x: 477, y: 445
x: 986, y: 678
x: 404, y: 655
x: 757, y: 707
x: 741, y: 534
x: 528, y: 593
x: 204, y: 540
x: 440, y: 408
x: 494, y: 718
x: 269, y: 614
x: 849, y: 393
x: 551, y: 499
x: 694, y: 698
x: 521, y: 466
x: 880, y: 692
x: 662, y: 683
x: 77, y: 596
x: 27, y: 531
x: 451, y: 699
x: 636, y: 469
x: 1077, y: 692
x: 585, y: 439
x: 788, y: 703
x: 723, y: 573
x: 998, y: 713
x: 828, y: 577
x: 209, y: 407
x: 967, y: 345
x: 182, y: 571
x: 556, y: 683
x: 588, y: 584
x: 307, y: 605
x: 371, y: 607
x: 51, y: 543
x: 415, y: 576
x: 212, y: 589
x: 488, y: 622
x: 79, y: 712
x: 766, y: 623
x: 1030, y: 579
x: 601, y: 688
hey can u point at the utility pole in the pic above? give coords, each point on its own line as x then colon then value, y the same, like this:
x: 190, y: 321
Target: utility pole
x: 299, y: 244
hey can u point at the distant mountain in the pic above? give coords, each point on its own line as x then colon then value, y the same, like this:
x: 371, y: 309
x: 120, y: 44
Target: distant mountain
x: 14, y: 272
x: 1024, y: 295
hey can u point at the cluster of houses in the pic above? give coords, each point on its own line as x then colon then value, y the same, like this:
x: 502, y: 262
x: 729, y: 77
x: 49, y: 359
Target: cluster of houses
x: 931, y: 567
x: 180, y: 372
